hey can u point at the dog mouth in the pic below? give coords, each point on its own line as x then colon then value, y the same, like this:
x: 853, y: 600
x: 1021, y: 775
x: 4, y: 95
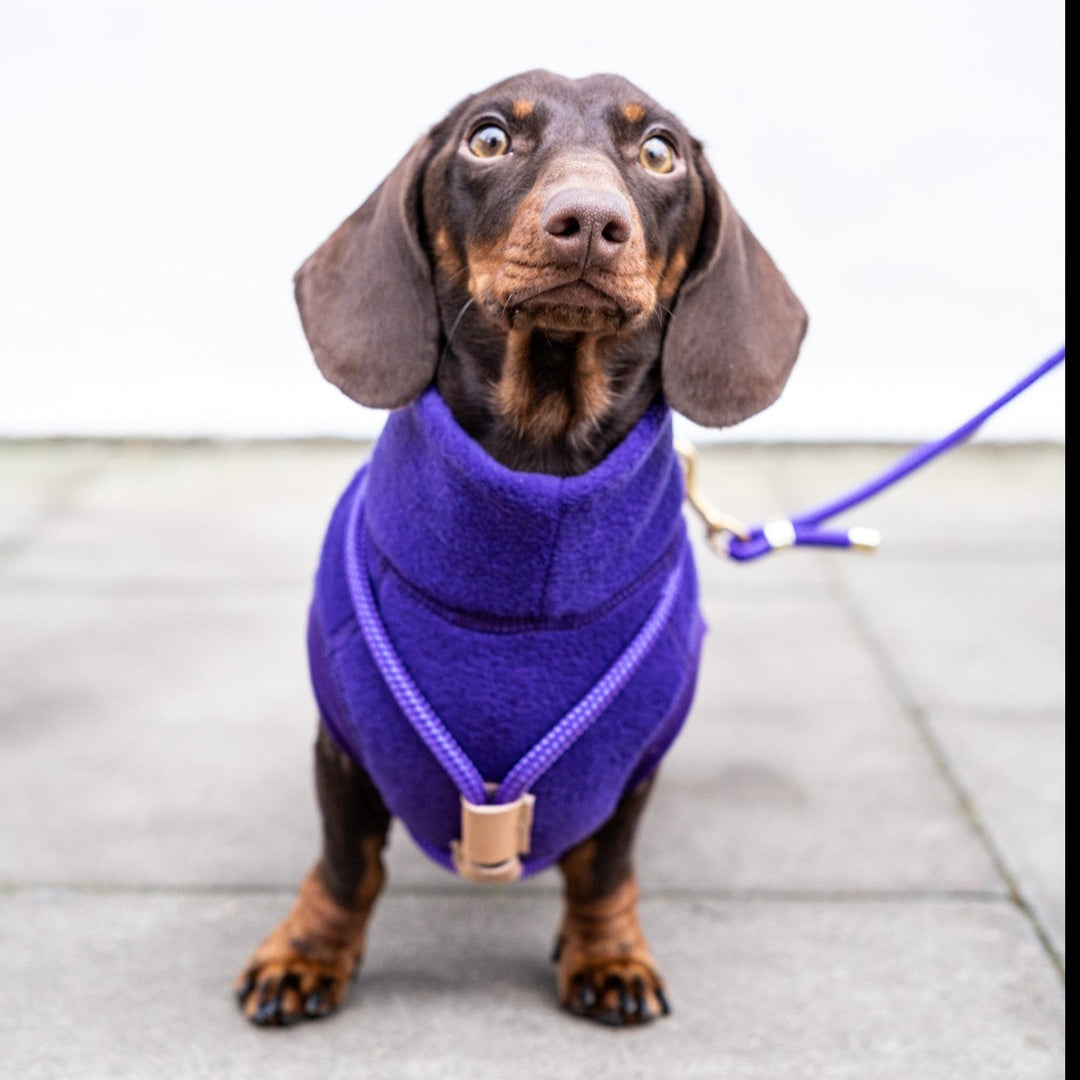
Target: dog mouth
x: 576, y: 305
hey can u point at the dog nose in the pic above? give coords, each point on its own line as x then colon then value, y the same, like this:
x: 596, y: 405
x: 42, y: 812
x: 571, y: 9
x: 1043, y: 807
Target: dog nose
x: 585, y: 224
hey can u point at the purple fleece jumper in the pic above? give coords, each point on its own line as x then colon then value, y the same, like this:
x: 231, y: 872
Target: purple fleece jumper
x: 507, y: 595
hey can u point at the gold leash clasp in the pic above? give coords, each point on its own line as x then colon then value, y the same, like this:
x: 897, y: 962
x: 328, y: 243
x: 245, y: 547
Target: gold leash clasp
x: 718, y: 525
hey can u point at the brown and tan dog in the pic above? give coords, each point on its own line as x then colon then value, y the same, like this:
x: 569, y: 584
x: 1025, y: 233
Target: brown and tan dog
x: 553, y: 255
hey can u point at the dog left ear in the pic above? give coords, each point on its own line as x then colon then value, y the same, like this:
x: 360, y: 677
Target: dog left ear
x: 366, y: 299
x: 736, y: 327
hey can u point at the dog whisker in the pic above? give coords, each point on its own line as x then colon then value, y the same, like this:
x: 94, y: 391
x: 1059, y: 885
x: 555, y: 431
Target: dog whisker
x: 660, y: 311
x: 449, y: 337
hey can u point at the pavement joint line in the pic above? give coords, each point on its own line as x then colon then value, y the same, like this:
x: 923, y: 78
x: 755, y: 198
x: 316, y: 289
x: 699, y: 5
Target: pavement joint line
x: 21, y: 582
x: 170, y: 443
x: 725, y: 446
x: 984, y: 560
x: 909, y: 704
x: 16, y: 581
x: 457, y: 891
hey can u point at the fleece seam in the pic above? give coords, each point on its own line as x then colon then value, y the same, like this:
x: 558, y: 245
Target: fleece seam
x: 543, y: 602
x: 486, y: 622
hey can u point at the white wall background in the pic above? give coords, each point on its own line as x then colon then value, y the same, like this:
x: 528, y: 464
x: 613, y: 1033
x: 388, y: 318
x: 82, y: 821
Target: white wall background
x: 164, y: 167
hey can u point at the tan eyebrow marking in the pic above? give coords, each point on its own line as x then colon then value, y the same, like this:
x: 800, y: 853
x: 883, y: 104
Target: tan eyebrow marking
x: 633, y: 112
x: 521, y: 108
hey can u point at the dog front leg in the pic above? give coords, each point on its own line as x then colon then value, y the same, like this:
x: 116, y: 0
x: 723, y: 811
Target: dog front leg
x: 303, y: 968
x: 606, y: 971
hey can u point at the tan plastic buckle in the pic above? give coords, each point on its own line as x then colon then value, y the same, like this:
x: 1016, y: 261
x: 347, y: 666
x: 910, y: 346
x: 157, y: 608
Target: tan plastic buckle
x: 492, y: 839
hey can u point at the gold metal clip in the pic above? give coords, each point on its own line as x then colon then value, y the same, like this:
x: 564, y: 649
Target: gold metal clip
x: 717, y: 524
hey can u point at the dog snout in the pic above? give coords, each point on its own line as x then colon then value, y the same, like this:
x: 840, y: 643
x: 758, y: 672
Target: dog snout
x: 588, y: 226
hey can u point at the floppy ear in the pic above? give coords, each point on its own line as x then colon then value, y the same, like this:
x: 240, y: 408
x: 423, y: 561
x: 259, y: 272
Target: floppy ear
x: 366, y: 299
x: 737, y: 326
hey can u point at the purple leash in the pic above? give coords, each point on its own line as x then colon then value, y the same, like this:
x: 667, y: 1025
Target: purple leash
x: 434, y: 733
x: 805, y: 528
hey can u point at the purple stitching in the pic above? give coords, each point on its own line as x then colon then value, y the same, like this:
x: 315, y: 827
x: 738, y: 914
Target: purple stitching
x: 521, y: 624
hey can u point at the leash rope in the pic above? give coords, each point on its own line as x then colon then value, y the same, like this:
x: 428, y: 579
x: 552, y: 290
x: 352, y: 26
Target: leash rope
x: 410, y: 698
x: 729, y: 536
x: 480, y: 799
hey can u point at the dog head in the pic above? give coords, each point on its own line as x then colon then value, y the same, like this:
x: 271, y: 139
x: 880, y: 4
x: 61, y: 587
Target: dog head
x: 563, y: 247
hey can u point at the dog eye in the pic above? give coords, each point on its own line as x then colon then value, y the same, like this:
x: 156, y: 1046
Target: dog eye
x: 657, y: 154
x: 489, y: 141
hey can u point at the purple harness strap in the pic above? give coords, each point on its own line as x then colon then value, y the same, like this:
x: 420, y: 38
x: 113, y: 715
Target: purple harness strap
x: 805, y: 528
x: 434, y: 733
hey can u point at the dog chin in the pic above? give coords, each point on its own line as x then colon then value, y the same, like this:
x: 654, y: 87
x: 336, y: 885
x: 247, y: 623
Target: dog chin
x: 573, y: 308
x: 566, y: 319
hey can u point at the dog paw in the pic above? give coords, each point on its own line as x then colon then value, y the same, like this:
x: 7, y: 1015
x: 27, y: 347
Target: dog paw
x: 278, y: 991
x: 303, y: 969
x: 617, y: 992
x: 606, y: 971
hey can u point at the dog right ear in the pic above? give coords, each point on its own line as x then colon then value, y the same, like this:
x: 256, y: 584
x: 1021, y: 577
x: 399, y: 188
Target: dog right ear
x: 366, y: 298
x: 737, y: 325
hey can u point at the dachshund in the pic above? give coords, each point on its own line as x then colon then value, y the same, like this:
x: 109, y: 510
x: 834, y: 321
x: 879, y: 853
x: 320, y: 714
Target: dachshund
x: 546, y: 272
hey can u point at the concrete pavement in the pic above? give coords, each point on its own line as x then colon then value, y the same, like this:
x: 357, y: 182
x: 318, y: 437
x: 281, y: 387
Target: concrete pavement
x: 853, y: 865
